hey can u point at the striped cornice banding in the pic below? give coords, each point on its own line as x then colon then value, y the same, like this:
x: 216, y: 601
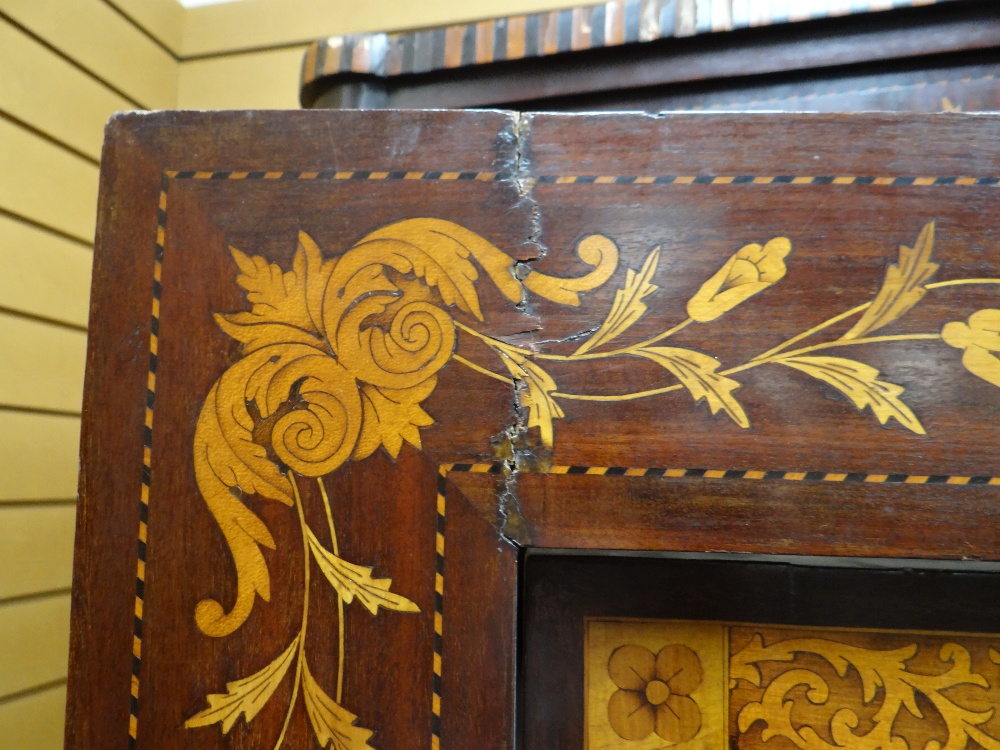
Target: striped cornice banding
x: 586, y: 28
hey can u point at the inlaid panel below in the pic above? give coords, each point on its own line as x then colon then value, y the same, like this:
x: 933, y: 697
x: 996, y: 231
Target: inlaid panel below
x: 652, y: 684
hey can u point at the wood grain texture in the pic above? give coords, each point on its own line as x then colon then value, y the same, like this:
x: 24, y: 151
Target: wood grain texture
x: 98, y: 38
x: 38, y: 456
x: 32, y: 190
x: 41, y: 365
x: 36, y: 549
x: 344, y: 364
x: 45, y: 275
x: 33, y: 638
x: 34, y: 722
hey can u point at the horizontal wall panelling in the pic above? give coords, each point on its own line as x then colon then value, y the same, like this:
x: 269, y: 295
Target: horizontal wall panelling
x: 47, y: 183
x: 46, y: 92
x: 45, y: 275
x: 257, y: 80
x: 41, y: 365
x: 39, y: 456
x: 101, y: 40
x: 163, y: 20
x: 34, y: 642
x: 31, y: 722
x: 36, y: 548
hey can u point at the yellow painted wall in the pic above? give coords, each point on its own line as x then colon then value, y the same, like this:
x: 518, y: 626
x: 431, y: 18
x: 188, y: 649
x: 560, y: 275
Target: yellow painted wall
x: 65, y: 66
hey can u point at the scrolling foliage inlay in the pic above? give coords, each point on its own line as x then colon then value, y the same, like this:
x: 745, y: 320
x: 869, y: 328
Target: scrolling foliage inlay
x: 339, y: 353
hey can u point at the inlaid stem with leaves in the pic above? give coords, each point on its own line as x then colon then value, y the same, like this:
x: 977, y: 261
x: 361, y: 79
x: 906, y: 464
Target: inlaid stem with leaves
x: 749, y: 271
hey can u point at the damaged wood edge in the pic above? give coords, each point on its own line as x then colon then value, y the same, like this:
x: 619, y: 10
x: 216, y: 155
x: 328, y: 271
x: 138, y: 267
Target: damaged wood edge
x: 511, y: 446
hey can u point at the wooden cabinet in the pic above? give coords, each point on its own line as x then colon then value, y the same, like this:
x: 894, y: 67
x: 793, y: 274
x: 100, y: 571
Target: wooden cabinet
x: 359, y: 382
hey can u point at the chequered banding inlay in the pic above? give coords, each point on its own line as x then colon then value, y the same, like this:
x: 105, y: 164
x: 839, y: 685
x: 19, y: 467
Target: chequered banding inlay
x: 442, y: 479
x: 598, y: 179
x: 753, y: 474
x: 548, y: 33
x: 147, y: 449
x: 747, y: 179
x: 334, y: 174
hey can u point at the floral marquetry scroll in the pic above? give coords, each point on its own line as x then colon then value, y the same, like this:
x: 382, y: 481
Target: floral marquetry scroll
x: 780, y: 688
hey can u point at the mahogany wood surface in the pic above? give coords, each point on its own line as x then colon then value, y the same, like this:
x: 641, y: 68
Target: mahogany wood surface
x: 332, y: 349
